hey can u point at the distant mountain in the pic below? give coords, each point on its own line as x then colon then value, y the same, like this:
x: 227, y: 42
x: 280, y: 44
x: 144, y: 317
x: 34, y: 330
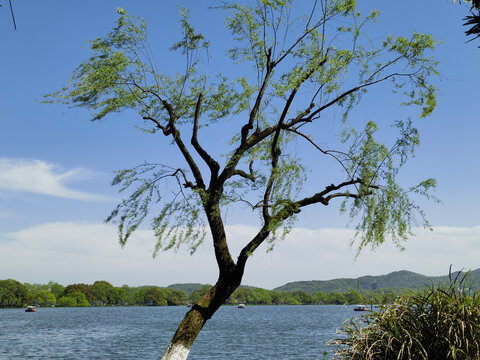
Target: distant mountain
x: 395, y: 280
x: 187, y: 288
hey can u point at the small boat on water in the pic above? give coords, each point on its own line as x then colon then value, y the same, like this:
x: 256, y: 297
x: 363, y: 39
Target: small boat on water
x: 31, y: 309
x: 360, y: 308
x: 241, y: 306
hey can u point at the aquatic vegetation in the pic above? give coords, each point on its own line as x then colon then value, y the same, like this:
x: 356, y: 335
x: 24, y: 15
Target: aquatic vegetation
x: 437, y: 322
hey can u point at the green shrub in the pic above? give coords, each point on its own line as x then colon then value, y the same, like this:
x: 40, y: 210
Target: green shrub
x: 66, y: 301
x: 438, y: 322
x: 75, y: 299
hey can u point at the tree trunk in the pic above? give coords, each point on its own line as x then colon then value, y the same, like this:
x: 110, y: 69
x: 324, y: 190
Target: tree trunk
x: 187, y: 331
x: 195, y: 319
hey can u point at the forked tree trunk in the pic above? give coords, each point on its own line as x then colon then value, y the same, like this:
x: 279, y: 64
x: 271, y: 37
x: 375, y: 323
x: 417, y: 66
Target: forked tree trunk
x: 230, y: 277
x: 195, y: 319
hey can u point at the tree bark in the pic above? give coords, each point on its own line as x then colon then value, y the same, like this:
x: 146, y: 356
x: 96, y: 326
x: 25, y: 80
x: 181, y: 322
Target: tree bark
x: 195, y: 319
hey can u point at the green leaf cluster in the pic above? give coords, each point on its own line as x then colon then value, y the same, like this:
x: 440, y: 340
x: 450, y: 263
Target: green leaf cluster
x: 179, y: 219
x: 306, y: 68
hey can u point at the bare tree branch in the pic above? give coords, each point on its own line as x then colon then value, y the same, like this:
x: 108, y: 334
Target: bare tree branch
x: 253, y: 114
x: 340, y: 97
x: 320, y: 196
x: 323, y: 151
x: 244, y: 174
x: 212, y: 164
x: 261, y: 236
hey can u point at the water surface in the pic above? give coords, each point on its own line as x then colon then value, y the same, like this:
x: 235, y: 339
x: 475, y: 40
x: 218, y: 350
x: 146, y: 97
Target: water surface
x: 257, y: 332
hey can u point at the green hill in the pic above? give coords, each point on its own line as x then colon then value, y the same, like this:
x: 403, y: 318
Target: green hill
x: 395, y: 280
x: 473, y: 279
x: 187, y: 288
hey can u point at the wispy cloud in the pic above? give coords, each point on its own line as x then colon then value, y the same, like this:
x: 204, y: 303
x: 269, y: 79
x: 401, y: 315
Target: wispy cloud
x: 71, y: 252
x: 36, y: 176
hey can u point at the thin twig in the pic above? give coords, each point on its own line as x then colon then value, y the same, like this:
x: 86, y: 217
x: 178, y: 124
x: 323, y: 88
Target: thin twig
x: 13, y: 16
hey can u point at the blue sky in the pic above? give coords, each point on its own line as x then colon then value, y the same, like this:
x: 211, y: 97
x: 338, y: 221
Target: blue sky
x: 56, y: 166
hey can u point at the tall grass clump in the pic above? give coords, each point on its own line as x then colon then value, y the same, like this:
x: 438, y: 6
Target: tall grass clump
x: 437, y: 322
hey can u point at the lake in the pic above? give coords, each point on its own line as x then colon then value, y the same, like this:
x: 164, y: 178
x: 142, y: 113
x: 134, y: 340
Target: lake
x: 257, y: 332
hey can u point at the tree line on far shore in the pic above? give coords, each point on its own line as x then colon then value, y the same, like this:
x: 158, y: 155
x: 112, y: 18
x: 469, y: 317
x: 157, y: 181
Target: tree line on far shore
x: 101, y: 293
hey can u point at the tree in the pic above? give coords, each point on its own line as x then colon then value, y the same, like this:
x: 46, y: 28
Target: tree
x: 152, y: 296
x: 473, y: 19
x: 79, y: 288
x: 74, y: 298
x: 44, y: 298
x: 33, y: 288
x: 102, y: 292
x: 320, y: 297
x: 67, y: 301
x: 117, y: 296
x: 128, y: 295
x: 176, y: 297
x: 13, y: 15
x: 337, y: 298
x: 13, y: 293
x: 56, y: 289
x: 80, y: 298
x: 305, y: 69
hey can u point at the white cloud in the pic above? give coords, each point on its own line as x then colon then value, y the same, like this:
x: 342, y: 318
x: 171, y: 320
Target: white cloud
x: 325, y: 254
x: 5, y: 214
x: 39, y: 177
x: 71, y: 252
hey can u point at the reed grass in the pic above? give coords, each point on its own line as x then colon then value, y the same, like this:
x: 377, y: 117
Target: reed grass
x: 437, y: 322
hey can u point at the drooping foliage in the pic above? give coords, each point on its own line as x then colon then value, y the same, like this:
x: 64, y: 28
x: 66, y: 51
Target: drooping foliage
x: 294, y: 72
x: 13, y: 294
x: 473, y: 20
x: 325, y: 55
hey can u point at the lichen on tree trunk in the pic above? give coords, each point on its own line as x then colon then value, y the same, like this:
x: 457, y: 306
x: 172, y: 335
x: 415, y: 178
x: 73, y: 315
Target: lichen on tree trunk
x: 176, y: 352
x: 188, y: 330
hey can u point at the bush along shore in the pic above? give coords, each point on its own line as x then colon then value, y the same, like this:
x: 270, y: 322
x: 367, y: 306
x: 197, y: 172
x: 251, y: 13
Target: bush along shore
x: 14, y: 294
x: 437, y: 322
